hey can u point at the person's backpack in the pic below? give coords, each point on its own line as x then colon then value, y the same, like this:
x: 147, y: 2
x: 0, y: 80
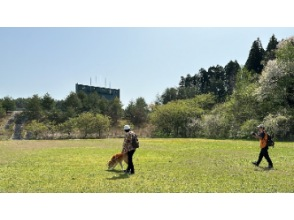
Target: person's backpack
x: 270, y: 141
x: 135, y: 141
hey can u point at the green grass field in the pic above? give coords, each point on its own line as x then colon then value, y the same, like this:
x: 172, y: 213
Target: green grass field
x: 162, y: 166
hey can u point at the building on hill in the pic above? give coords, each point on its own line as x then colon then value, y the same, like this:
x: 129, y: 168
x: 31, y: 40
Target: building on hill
x: 106, y: 93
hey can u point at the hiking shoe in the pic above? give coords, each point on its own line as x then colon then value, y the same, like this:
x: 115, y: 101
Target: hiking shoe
x: 128, y: 172
x: 255, y: 164
x: 270, y: 167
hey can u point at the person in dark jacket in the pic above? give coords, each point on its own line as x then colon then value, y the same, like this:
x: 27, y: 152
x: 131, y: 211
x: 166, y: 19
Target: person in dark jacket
x: 129, y: 149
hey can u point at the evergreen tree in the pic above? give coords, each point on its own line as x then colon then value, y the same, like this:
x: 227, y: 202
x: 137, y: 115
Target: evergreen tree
x: 90, y: 102
x: 168, y: 95
x: 217, y: 82
x: 182, y: 82
x: 72, y: 105
x: 115, y: 110
x: 189, y: 81
x: 270, y: 50
x: 137, y: 112
x: 254, y: 61
x: 20, y: 103
x: 272, y: 44
x: 34, y: 108
x: 231, y: 70
x: 47, y: 102
x: 204, y: 81
x: 8, y: 104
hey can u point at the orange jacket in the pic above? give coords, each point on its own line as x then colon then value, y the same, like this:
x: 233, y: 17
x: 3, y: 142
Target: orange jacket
x: 263, y: 141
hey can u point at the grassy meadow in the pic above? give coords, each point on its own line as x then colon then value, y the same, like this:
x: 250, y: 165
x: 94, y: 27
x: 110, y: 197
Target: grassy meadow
x: 162, y: 166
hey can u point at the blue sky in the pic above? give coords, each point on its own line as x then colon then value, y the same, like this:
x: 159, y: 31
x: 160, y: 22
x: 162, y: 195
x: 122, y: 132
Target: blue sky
x: 141, y: 62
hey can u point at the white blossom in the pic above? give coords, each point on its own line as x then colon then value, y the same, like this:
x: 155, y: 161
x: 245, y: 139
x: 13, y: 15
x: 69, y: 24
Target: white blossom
x: 283, y: 43
x: 273, y: 72
x: 269, y: 78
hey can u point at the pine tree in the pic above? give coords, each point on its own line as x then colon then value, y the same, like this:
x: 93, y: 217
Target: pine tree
x: 272, y: 44
x: 255, y: 57
x: 231, y: 70
x: 270, y: 50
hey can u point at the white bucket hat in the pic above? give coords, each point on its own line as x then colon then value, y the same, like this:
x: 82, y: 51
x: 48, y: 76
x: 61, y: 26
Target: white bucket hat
x: 260, y: 126
x: 127, y: 127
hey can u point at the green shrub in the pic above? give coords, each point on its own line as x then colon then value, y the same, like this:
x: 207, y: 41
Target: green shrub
x: 247, y: 128
x: 279, y: 125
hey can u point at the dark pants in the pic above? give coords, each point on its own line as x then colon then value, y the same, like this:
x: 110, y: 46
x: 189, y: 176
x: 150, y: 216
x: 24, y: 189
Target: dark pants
x: 264, y: 153
x: 131, y: 168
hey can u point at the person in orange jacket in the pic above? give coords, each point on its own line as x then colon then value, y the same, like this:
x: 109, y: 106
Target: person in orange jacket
x: 263, y: 136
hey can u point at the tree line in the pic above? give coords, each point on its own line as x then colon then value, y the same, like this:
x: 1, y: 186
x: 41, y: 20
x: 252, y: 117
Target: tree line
x: 78, y: 115
x: 261, y: 91
x: 219, y: 80
x: 220, y: 102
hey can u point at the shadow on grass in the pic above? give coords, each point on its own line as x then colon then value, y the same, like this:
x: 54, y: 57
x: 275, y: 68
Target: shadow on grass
x: 114, y: 171
x: 263, y: 169
x: 120, y: 176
